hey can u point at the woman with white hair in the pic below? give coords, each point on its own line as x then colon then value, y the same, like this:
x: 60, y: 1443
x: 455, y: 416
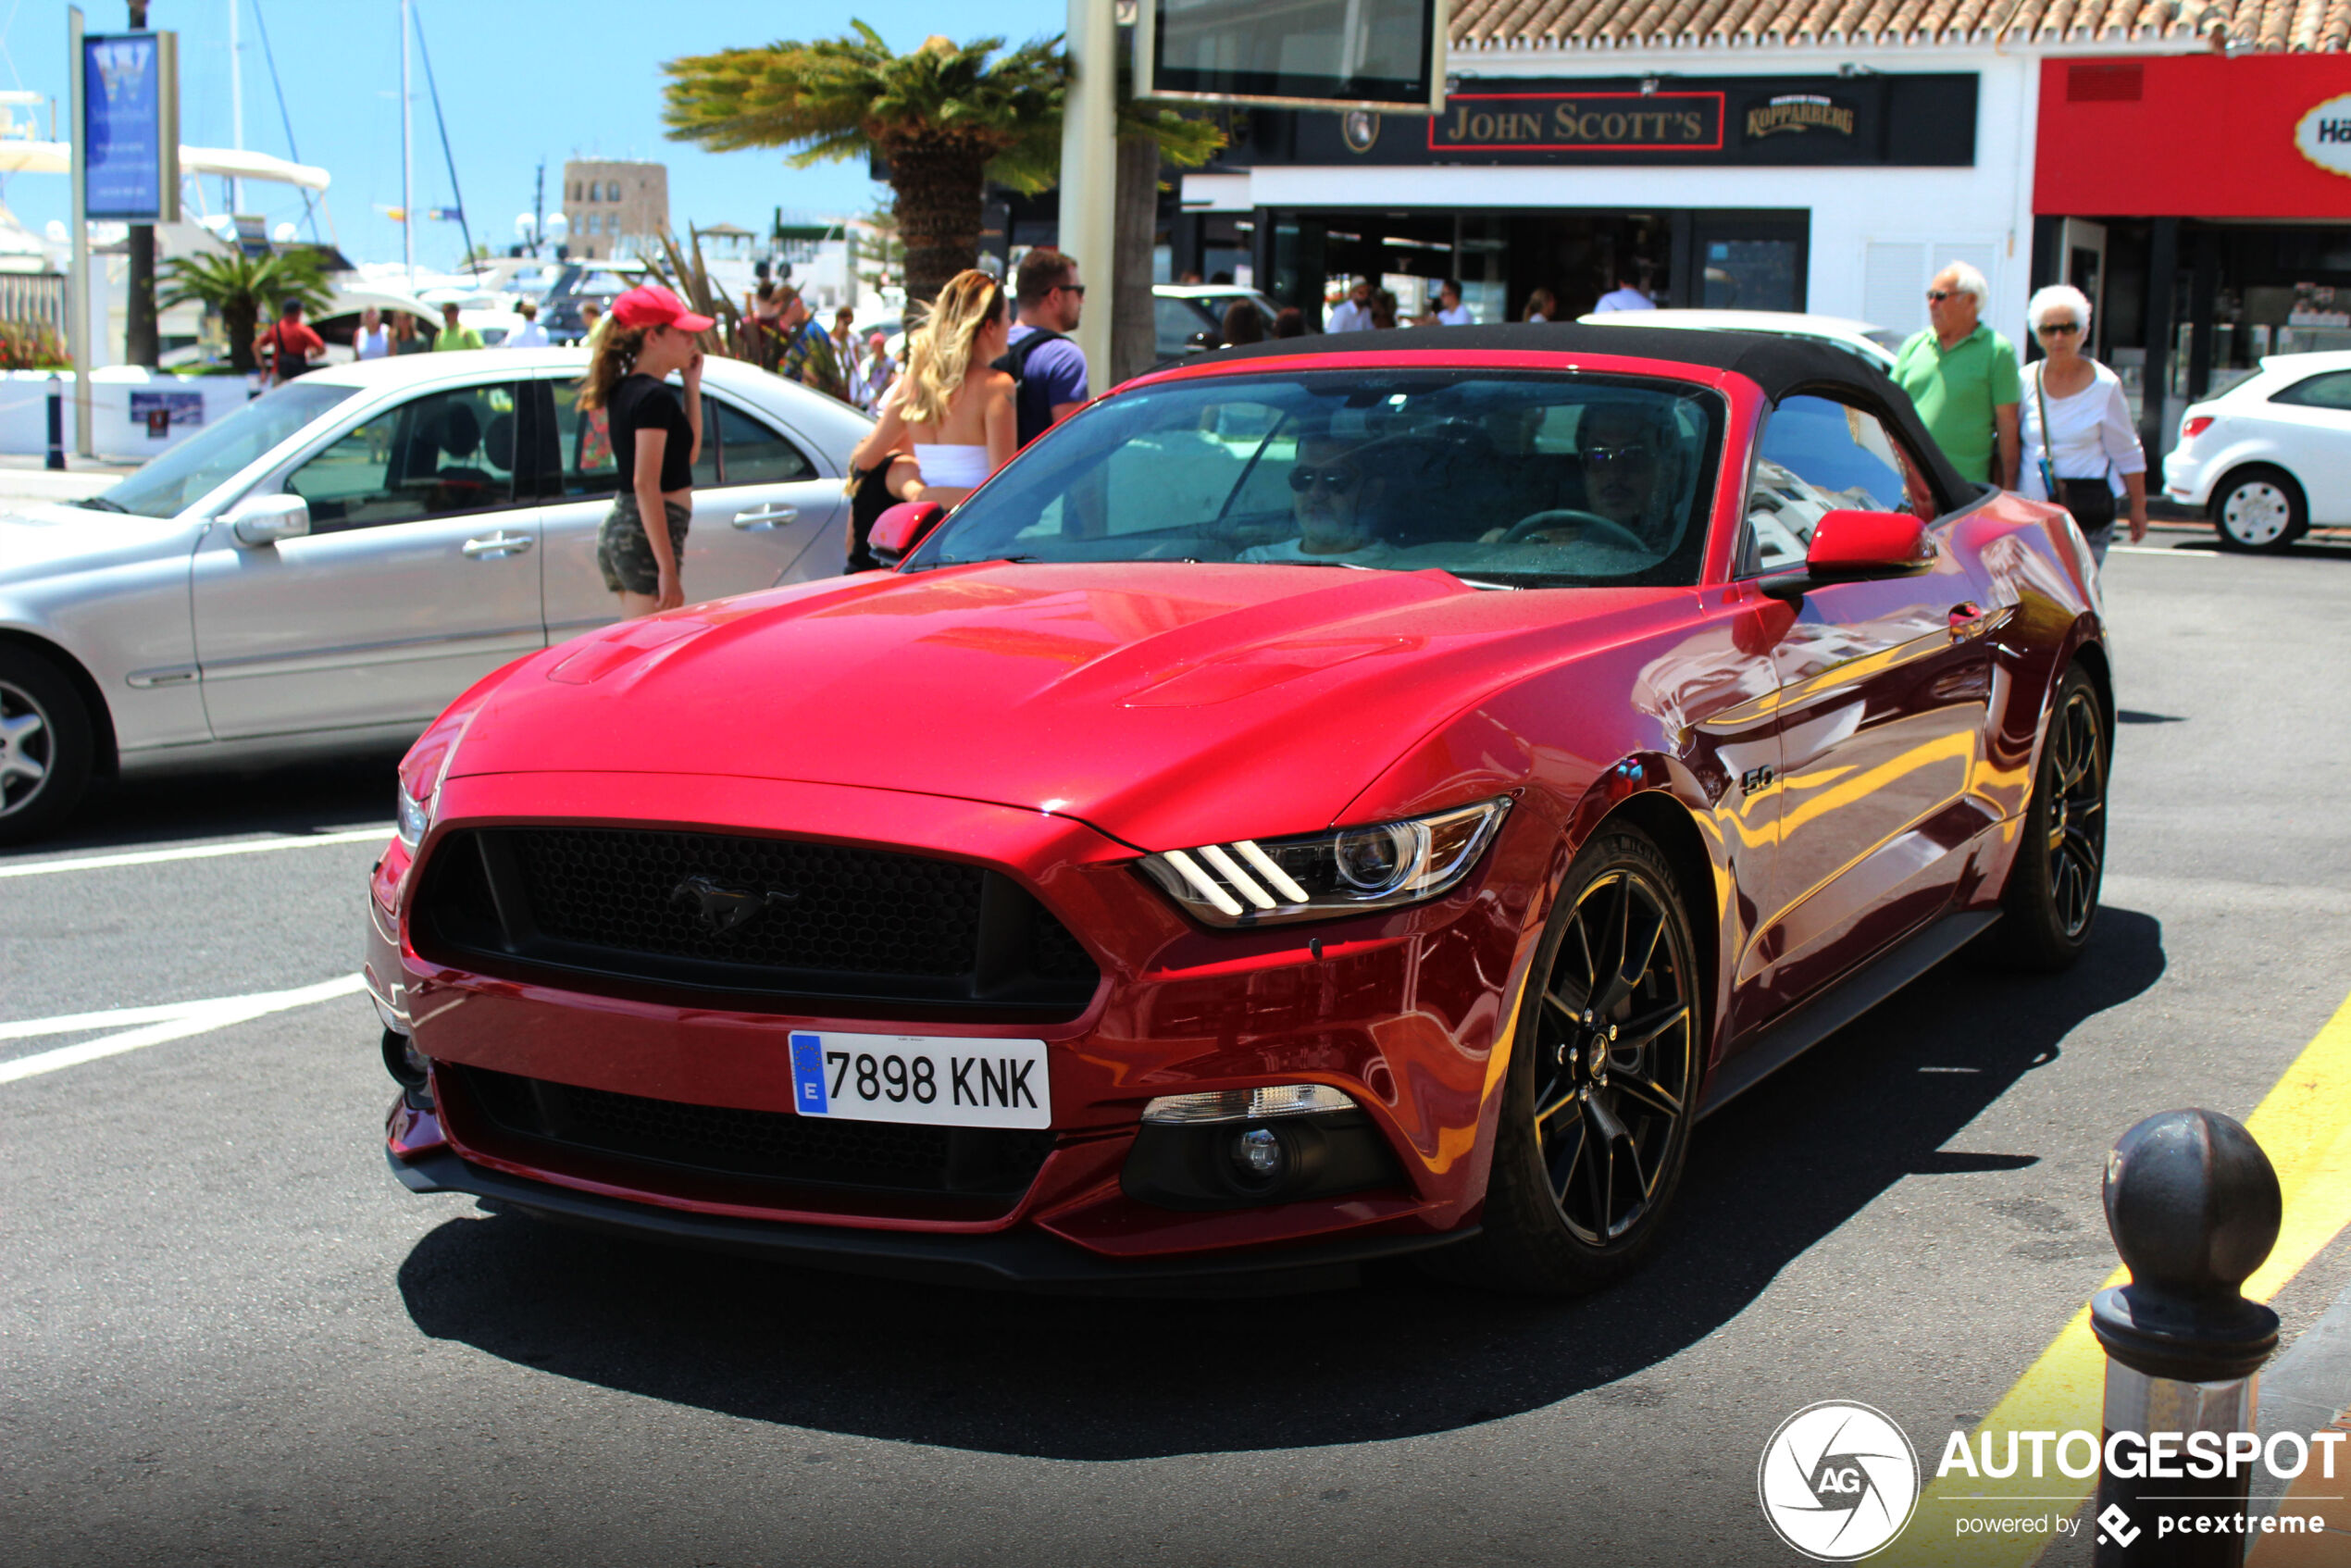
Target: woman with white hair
x: 2079, y: 448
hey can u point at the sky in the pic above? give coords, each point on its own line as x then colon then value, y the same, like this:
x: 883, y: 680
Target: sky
x: 520, y: 80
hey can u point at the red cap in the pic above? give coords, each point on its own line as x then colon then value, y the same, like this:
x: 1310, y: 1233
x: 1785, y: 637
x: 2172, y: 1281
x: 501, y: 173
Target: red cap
x: 650, y: 305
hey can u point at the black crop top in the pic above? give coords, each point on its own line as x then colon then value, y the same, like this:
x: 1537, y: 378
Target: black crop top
x: 639, y: 403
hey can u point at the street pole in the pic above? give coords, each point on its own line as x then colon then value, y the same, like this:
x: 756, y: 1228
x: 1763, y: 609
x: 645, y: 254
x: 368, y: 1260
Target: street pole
x: 1090, y: 171
x: 408, y: 160
x: 140, y: 342
x: 78, y: 286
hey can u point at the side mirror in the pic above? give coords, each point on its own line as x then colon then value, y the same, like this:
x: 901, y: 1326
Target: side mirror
x: 265, y: 519
x: 900, y: 529
x: 1853, y: 546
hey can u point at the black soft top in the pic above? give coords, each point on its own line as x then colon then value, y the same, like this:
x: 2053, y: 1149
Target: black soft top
x: 1778, y: 364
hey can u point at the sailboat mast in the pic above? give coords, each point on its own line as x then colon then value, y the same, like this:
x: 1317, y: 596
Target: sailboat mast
x: 236, y: 102
x: 407, y: 159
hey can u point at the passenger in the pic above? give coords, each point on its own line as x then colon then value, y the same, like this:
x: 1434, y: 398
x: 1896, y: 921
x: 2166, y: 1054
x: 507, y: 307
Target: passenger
x: 1629, y: 480
x: 1328, y: 489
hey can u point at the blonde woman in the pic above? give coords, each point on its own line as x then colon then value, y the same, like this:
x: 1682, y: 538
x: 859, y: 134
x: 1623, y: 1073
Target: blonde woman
x: 656, y: 436
x: 950, y: 406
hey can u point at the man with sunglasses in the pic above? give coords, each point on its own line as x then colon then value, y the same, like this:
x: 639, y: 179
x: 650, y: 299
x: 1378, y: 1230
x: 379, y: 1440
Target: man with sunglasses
x: 1327, y: 491
x: 1963, y: 377
x: 1048, y: 366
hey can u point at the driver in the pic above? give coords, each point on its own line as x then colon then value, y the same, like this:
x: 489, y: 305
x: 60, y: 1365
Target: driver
x: 1628, y: 451
x: 1328, y: 496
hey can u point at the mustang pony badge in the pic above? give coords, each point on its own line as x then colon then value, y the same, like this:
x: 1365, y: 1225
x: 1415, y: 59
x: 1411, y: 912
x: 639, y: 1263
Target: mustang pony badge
x: 723, y: 908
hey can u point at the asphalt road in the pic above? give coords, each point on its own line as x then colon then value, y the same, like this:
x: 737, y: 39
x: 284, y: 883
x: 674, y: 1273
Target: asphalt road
x: 226, y: 1335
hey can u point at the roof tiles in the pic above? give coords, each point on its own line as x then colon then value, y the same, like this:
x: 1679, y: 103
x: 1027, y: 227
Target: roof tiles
x: 2270, y: 26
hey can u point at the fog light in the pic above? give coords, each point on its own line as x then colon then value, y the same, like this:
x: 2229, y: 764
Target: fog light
x: 409, y: 1068
x: 1258, y: 1155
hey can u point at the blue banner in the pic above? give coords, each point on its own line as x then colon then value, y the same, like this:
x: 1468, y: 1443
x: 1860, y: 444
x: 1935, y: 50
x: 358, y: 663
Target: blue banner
x: 122, y: 129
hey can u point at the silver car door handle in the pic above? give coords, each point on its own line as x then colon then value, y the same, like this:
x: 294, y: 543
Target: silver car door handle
x: 766, y: 517
x: 497, y: 545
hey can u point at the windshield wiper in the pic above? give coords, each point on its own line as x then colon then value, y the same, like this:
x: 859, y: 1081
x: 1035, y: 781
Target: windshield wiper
x: 985, y: 560
x: 101, y: 504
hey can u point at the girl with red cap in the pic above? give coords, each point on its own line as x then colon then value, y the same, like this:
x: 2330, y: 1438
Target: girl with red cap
x: 656, y: 438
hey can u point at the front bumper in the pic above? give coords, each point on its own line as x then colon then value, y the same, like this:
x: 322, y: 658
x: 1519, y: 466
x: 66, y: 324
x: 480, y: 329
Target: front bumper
x: 1024, y: 1259
x: 1407, y: 1013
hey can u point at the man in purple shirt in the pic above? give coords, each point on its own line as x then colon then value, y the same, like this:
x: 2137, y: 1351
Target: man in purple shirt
x: 1050, y: 367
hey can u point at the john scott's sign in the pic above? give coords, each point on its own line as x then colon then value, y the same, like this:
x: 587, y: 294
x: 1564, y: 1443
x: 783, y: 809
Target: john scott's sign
x: 1583, y: 122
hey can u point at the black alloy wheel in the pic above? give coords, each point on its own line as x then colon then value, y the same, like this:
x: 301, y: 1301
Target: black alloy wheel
x: 2051, y: 899
x: 44, y: 745
x: 1603, y: 1084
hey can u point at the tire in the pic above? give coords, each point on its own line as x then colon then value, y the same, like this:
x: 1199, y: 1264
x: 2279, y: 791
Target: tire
x: 1595, y: 1125
x: 2259, y: 509
x: 2050, y: 904
x: 44, y: 745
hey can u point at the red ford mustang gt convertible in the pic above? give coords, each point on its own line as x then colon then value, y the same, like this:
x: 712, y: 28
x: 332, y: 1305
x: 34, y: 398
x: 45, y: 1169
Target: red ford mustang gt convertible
x: 1319, y: 804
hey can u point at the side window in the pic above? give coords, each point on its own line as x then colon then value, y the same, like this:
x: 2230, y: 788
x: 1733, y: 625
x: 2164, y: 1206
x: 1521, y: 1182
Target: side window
x: 1819, y: 456
x: 586, y: 441
x: 2329, y: 391
x: 437, y: 455
x: 750, y: 452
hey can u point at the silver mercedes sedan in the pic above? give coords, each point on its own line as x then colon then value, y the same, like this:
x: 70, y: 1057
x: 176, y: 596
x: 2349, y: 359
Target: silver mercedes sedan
x: 323, y: 570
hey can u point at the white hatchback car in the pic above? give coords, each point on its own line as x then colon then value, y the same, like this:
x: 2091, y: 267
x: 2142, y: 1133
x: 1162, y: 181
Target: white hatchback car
x: 324, y: 569
x: 2271, y: 455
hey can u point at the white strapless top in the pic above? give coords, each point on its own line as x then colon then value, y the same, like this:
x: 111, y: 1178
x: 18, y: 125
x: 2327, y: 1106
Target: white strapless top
x: 959, y: 468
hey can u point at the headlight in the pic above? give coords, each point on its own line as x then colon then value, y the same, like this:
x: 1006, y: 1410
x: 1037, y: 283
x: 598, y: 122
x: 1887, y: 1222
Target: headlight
x: 1321, y: 875
x: 411, y: 816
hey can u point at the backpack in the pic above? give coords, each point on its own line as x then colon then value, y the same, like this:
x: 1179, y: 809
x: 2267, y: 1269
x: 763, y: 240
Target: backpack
x: 1031, y: 402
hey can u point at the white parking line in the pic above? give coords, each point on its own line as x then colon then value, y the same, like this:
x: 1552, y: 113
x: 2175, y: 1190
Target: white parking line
x: 199, y: 852
x: 171, y: 1021
x: 2155, y: 550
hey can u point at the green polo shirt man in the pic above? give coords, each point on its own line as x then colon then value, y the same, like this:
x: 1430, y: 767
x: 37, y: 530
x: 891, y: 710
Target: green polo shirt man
x: 1962, y: 375
x: 453, y: 335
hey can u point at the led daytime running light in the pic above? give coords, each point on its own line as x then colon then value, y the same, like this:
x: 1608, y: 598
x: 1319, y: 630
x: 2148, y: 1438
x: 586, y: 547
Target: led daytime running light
x: 1246, y: 1105
x: 1323, y: 875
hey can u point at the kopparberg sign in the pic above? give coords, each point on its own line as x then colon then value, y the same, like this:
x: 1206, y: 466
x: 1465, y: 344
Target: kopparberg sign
x: 2324, y: 135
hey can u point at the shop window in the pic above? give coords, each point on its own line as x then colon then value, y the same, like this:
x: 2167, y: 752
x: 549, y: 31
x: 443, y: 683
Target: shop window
x: 2330, y: 390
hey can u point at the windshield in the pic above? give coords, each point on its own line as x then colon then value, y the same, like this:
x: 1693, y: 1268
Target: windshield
x: 183, y: 476
x: 1526, y: 480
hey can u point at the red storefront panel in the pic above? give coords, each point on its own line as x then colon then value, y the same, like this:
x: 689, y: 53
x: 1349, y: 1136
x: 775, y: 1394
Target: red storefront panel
x: 2186, y: 136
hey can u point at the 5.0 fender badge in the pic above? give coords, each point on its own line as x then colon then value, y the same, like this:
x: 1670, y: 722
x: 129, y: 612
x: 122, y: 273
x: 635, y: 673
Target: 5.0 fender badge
x: 723, y: 908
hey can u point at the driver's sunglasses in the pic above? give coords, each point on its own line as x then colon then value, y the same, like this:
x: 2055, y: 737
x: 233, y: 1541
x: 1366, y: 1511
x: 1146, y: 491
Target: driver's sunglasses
x: 1631, y: 455
x: 1335, y: 482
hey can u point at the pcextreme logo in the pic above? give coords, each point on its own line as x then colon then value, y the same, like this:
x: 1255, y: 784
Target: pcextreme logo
x: 1838, y: 1480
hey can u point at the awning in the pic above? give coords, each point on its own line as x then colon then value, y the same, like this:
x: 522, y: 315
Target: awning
x: 57, y: 158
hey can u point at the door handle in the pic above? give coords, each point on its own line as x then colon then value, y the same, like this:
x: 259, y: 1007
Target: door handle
x: 496, y: 546
x: 1971, y: 620
x: 766, y: 517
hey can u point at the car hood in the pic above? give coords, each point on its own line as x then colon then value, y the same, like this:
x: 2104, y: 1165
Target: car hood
x: 38, y: 540
x: 1167, y: 704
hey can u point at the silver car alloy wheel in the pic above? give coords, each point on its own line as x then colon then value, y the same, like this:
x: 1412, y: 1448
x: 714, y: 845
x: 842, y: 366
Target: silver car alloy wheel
x: 28, y: 748
x: 2257, y: 513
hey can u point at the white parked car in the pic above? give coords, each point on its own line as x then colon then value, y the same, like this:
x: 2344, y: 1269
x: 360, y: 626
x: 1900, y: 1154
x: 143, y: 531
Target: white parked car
x: 2271, y: 455
x: 1876, y: 345
x: 324, y: 569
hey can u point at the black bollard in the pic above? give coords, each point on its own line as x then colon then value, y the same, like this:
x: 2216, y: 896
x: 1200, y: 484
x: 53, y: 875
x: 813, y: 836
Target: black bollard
x: 2193, y: 1207
x: 56, y: 421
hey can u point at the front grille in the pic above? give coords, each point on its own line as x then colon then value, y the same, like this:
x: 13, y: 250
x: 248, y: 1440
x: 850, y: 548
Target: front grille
x: 762, y: 1145
x: 775, y: 923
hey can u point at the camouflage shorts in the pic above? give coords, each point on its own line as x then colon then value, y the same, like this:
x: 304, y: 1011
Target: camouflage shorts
x: 626, y: 557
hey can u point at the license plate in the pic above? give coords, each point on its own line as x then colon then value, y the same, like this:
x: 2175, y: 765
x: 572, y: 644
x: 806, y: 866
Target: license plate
x: 944, y: 1082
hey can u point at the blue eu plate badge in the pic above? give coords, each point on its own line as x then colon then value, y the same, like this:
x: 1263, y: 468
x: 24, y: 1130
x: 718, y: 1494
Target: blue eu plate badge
x: 808, y: 1075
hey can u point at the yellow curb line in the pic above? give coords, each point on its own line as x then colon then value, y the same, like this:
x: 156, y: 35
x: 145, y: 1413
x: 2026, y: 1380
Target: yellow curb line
x: 2303, y: 1125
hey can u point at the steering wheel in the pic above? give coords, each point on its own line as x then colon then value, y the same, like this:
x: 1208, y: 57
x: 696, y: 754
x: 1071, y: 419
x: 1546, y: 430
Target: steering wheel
x: 1610, y: 532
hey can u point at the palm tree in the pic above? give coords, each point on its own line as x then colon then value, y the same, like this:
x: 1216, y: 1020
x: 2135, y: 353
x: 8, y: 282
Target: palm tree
x: 945, y: 118
x: 238, y: 288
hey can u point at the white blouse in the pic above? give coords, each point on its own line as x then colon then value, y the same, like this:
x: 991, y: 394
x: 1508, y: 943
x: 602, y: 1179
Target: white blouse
x: 2089, y: 433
